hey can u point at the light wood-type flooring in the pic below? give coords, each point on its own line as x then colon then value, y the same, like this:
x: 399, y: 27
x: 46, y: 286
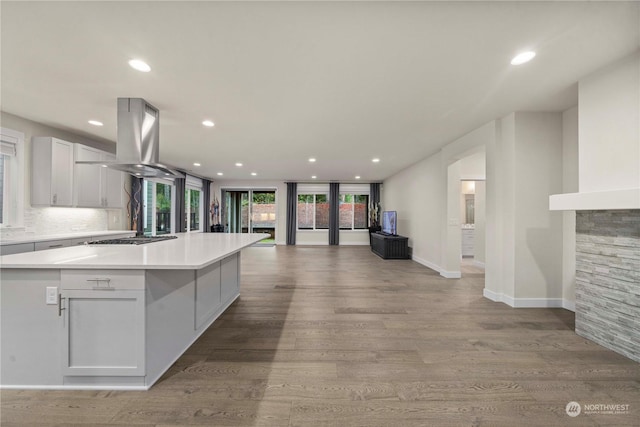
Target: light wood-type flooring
x: 335, y: 336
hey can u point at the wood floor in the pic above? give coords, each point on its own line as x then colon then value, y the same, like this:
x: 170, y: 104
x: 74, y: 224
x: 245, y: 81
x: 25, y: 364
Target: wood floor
x: 335, y: 336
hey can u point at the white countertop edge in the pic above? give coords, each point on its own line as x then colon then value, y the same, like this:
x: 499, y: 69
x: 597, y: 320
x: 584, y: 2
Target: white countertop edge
x: 597, y: 200
x: 50, y: 237
x: 4, y: 265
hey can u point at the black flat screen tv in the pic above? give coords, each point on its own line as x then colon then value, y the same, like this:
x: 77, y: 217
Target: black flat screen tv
x: 389, y: 222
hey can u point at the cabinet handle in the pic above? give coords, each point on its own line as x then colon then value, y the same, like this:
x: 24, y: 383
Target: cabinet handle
x: 55, y: 199
x: 60, y: 298
x: 99, y: 280
x: 56, y: 246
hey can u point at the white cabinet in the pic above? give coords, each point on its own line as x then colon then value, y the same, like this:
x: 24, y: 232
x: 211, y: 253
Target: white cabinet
x: 230, y: 277
x: 112, y: 184
x: 96, y: 186
x: 103, y: 321
x: 87, y: 177
x: 467, y: 241
x: 51, y: 172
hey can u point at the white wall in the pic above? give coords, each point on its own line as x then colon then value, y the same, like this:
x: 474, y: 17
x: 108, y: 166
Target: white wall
x: 417, y: 193
x: 499, y: 257
x: 281, y: 199
x: 473, y: 167
x: 41, y: 221
x: 609, y: 127
x: 479, y: 232
x: 538, y: 231
x: 569, y: 185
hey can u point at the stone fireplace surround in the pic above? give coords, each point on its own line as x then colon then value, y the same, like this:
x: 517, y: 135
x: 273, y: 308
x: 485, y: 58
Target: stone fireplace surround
x: 608, y: 279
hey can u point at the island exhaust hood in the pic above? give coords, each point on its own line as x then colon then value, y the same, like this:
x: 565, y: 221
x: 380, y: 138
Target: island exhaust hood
x: 138, y: 147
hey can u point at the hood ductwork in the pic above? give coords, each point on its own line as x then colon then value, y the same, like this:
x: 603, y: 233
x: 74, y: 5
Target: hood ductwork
x: 138, y: 147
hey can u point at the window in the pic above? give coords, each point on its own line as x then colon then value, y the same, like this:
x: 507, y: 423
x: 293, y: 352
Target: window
x: 158, y: 208
x: 192, y: 208
x: 354, y: 211
x: 313, y: 211
x: 11, y: 177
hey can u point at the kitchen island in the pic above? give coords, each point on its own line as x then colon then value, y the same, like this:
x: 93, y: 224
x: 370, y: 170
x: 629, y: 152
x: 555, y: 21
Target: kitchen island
x: 112, y: 316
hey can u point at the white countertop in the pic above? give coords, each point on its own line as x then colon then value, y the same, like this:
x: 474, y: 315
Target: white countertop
x: 50, y: 237
x: 190, y: 251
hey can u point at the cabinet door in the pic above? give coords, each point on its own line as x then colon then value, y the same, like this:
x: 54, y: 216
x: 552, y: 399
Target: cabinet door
x: 88, y: 182
x: 230, y: 277
x: 61, y: 173
x: 104, y: 333
x: 112, y: 185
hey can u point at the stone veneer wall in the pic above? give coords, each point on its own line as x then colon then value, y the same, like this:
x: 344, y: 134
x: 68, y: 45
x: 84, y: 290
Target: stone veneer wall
x: 608, y: 279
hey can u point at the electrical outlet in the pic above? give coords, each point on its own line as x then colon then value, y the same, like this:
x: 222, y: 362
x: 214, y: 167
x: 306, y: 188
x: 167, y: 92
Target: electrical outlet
x: 52, y: 295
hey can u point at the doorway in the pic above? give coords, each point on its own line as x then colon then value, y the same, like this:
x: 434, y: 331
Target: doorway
x: 250, y: 211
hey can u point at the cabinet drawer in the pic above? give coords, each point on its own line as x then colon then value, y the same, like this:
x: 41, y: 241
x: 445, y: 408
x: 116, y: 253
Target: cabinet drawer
x: 52, y: 244
x: 102, y: 279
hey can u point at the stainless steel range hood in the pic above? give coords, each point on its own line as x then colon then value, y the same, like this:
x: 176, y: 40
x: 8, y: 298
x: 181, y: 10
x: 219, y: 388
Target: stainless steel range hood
x: 138, y: 147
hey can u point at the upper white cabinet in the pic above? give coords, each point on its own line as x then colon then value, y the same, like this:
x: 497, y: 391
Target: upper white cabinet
x: 52, y: 172
x: 112, y: 184
x: 87, y: 177
x: 96, y: 186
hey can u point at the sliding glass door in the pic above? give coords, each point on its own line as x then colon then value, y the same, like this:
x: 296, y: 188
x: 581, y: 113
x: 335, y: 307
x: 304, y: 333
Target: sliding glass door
x: 252, y: 211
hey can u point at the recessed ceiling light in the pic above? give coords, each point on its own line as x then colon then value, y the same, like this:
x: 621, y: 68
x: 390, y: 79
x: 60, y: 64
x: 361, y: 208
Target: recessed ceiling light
x: 239, y: 164
x: 312, y: 159
x: 104, y: 166
x: 220, y: 174
x: 138, y: 173
x: 376, y: 160
x: 208, y: 123
x: 357, y: 176
x: 96, y: 123
x: 139, y: 65
x: 196, y: 164
x: 253, y: 174
x: 139, y: 166
x: 167, y: 174
x: 523, y: 57
x: 313, y: 177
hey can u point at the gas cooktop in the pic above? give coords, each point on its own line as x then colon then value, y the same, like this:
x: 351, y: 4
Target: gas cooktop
x: 137, y: 240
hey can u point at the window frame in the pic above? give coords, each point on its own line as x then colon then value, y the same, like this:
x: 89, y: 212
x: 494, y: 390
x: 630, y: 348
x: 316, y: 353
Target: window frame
x: 353, y: 210
x: 314, y: 194
x: 187, y: 208
x: 13, y: 180
x: 154, y: 182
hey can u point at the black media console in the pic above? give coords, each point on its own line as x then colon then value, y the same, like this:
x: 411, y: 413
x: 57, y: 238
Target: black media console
x: 390, y: 247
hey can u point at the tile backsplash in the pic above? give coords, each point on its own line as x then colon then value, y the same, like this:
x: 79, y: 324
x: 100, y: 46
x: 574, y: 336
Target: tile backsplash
x: 43, y: 221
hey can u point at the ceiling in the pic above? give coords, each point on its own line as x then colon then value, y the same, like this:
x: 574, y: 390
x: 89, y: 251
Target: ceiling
x: 343, y: 82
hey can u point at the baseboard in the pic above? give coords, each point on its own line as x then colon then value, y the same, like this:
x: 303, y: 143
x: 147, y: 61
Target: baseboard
x: 426, y: 263
x: 478, y: 264
x: 312, y: 244
x: 569, y: 305
x: 493, y: 296
x: 528, y: 302
x: 74, y: 387
x: 450, y: 274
